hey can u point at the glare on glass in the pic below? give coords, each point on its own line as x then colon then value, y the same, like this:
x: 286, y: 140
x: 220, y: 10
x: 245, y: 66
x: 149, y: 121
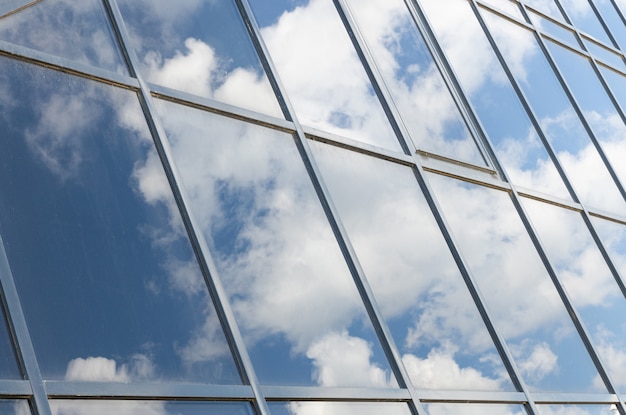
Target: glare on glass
x: 110, y: 287
x: 435, y: 324
x: 322, y: 73
x: 77, y: 30
x: 505, y: 121
x: 294, y: 299
x: 199, y: 47
x: 416, y: 85
x: 518, y: 292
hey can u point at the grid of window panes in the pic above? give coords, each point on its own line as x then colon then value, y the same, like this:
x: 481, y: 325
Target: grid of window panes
x: 302, y: 207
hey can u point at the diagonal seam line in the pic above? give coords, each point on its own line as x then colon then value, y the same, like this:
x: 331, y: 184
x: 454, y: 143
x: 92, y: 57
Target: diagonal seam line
x: 11, y: 8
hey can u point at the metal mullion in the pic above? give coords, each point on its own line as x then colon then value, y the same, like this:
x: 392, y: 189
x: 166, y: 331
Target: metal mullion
x: 200, y: 247
x: 578, y: 323
x: 418, y: 171
x: 21, y: 336
x: 603, y: 24
x: 619, y: 11
x: 341, y: 235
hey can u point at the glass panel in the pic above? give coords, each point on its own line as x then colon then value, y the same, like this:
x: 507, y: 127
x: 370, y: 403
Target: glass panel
x: 295, y: 301
x: 321, y: 71
x: 605, y: 55
x: 77, y: 30
x: 8, y: 363
x: 199, y: 47
x: 338, y: 408
x: 107, y: 407
x: 506, y: 123
x: 426, y: 106
x: 107, y: 278
x: 578, y: 409
x: 558, y: 119
x: 546, y: 6
x: 474, y: 409
x: 556, y: 30
x: 506, y: 6
x: 597, y: 108
x: 585, y: 19
x: 518, y: 292
x: 14, y: 407
x: 588, y: 280
x: 617, y: 83
x: 441, y: 336
x: 613, y: 20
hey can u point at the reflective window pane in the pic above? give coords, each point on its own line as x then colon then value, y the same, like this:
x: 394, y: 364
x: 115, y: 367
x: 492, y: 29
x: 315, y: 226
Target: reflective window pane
x: 585, y: 19
x: 578, y: 409
x: 199, y: 47
x: 77, y: 30
x: 588, y: 281
x: 440, y: 334
x: 8, y: 363
x: 152, y: 407
x: 557, y: 117
x: 518, y: 292
x: 290, y: 289
x: 506, y: 123
x: 106, y: 276
x: 556, y: 30
x: 474, y: 409
x: 338, y: 408
x: 507, y: 6
x: 546, y: 6
x: 14, y: 407
x: 613, y: 20
x: 321, y: 71
x: 418, y: 90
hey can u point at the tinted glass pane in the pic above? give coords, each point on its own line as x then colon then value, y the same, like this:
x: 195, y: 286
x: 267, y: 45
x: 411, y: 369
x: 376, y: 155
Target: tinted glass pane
x: 578, y: 409
x: 106, y: 276
x: 559, y: 32
x: 321, y: 71
x: 14, y: 407
x: 415, y: 83
x: 605, y: 55
x: 474, y: 409
x: 433, y: 319
x: 518, y: 292
x: 557, y: 117
x: 588, y: 280
x: 295, y: 301
x: 106, y: 407
x: 546, y: 6
x: 200, y: 47
x: 585, y: 20
x: 8, y: 363
x: 597, y: 108
x: 515, y: 140
x: 338, y: 408
x: 77, y: 30
x: 613, y: 20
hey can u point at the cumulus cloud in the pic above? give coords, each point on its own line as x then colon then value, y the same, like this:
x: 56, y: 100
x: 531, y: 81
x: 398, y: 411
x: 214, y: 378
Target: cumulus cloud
x: 96, y: 407
x: 101, y: 369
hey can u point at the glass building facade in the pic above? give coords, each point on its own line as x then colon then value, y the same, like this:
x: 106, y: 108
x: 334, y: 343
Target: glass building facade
x: 307, y: 207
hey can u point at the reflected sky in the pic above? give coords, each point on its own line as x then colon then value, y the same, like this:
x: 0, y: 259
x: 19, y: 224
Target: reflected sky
x: 295, y: 301
x: 577, y: 409
x: 106, y: 276
x: 338, y: 408
x: 515, y: 140
x: 130, y: 407
x: 613, y: 20
x: 518, y: 292
x: 14, y: 407
x: 588, y: 281
x: 66, y: 28
x: 474, y: 409
x: 441, y: 336
x: 546, y: 6
x: 557, y: 117
x: 321, y: 71
x: 417, y: 88
x: 200, y: 47
x: 585, y: 20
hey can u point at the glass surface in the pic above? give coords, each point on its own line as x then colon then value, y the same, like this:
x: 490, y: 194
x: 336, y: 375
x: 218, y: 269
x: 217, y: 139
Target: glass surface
x: 507, y: 6
x: 604, y: 54
x: 131, y: 407
x: 557, y: 117
x: 77, y: 30
x: 617, y: 84
x: 512, y: 135
x: 597, y: 108
x: 434, y: 322
x: 474, y: 409
x: 556, y: 30
x: 546, y: 6
x: 417, y: 88
x: 338, y: 408
x: 8, y: 363
x: 587, y: 279
x: 613, y: 21
x: 577, y: 409
x: 199, y: 47
x: 106, y: 276
x: 585, y: 19
x: 321, y: 71
x: 14, y: 407
x: 295, y: 301
x: 518, y: 292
